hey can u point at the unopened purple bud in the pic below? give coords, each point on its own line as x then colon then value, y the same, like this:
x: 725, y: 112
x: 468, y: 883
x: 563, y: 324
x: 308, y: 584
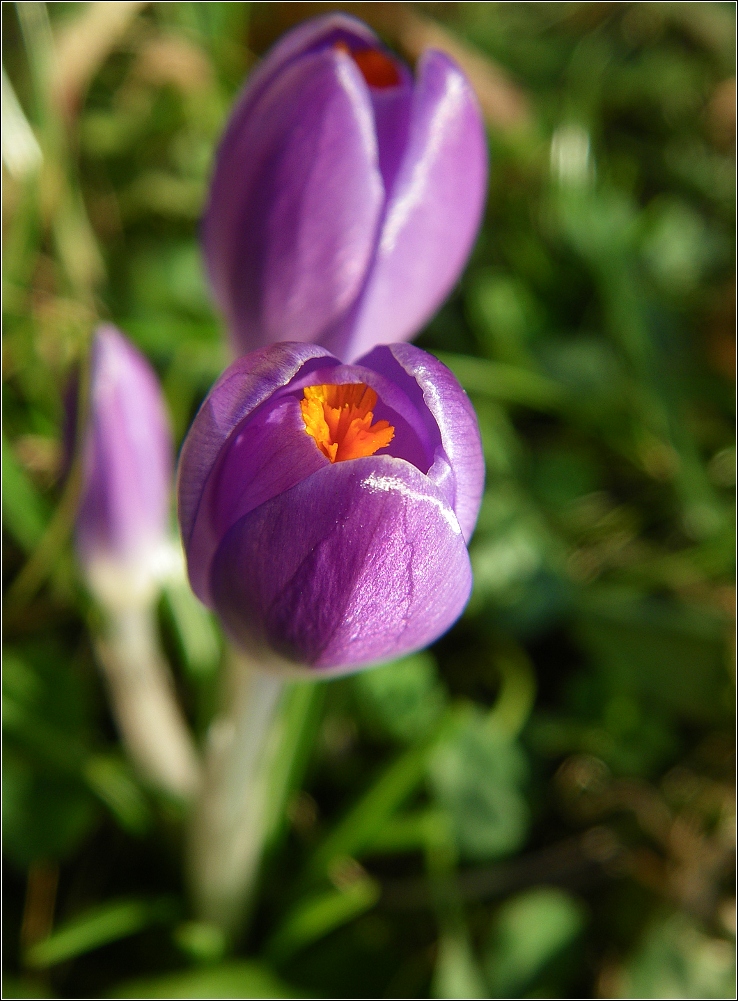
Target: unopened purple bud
x: 346, y: 194
x: 325, y: 508
x: 122, y: 524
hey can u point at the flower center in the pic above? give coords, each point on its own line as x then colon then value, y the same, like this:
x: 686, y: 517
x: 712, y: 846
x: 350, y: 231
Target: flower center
x: 377, y: 69
x: 339, y: 418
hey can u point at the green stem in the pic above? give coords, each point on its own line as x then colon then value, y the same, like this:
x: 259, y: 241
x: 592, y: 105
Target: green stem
x: 517, y: 692
x: 457, y: 974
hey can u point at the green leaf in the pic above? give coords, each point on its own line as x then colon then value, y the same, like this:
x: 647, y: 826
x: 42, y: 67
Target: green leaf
x: 476, y: 773
x: 238, y: 979
x: 112, y: 780
x: 17, y: 987
x: 24, y: 512
x: 97, y: 927
x: 316, y: 916
x: 195, y: 629
x: 507, y: 383
x: 203, y: 942
x: 59, y: 694
x: 677, y: 960
x: 408, y: 832
x: 512, y: 547
x: 356, y: 832
x: 530, y: 929
x: 504, y: 315
x: 670, y: 655
x: 44, y: 713
x: 299, y: 718
x: 678, y: 246
x: 517, y: 692
x: 405, y: 697
x: 44, y: 815
x: 457, y: 974
x: 168, y: 277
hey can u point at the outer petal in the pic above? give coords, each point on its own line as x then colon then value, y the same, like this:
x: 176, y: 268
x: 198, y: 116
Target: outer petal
x: 434, y: 388
x: 124, y: 509
x: 391, y: 105
x: 433, y: 212
x: 247, y: 384
x: 311, y: 35
x: 361, y: 562
x: 295, y: 204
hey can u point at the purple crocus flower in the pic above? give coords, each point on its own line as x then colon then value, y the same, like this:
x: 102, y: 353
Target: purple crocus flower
x: 122, y: 524
x: 346, y: 194
x: 325, y: 508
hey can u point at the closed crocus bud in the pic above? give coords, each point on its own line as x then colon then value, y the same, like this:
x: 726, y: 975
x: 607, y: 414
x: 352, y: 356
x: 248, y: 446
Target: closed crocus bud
x: 325, y: 508
x: 124, y: 548
x: 122, y: 524
x: 346, y: 194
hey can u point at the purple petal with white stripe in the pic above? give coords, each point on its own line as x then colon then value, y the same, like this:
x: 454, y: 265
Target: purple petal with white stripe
x: 433, y: 213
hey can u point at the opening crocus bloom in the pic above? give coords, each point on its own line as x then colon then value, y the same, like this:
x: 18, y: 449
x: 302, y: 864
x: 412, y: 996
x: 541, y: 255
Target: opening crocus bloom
x: 325, y: 508
x: 346, y: 194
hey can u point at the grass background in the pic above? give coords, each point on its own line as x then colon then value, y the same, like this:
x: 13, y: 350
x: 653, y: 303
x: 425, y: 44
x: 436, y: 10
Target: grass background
x: 541, y: 805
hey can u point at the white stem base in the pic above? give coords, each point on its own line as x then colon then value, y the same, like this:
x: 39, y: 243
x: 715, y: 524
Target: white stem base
x: 144, y: 703
x: 229, y: 821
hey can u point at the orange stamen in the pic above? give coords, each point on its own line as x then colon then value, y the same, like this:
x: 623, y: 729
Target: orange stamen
x: 377, y: 69
x: 339, y: 418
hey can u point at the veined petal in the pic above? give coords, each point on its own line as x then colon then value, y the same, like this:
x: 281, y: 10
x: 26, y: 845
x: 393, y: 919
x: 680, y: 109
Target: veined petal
x: 297, y: 194
x: 433, y: 387
x: 432, y: 215
x: 361, y: 562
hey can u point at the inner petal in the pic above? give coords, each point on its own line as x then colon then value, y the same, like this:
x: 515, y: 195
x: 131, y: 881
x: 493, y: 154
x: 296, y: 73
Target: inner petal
x: 341, y: 420
x: 378, y: 69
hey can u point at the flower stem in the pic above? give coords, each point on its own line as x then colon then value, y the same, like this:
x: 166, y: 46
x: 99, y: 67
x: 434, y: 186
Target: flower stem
x: 144, y: 704
x: 230, y: 820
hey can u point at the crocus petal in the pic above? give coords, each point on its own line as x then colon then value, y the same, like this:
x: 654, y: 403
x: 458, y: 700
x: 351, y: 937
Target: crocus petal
x: 345, y: 194
x: 331, y: 565
x: 310, y: 36
x: 432, y: 215
x: 391, y: 104
x: 269, y: 453
x: 392, y: 108
x: 417, y: 372
x: 124, y: 507
x: 359, y: 562
x: 295, y: 204
x: 313, y: 34
x: 247, y: 384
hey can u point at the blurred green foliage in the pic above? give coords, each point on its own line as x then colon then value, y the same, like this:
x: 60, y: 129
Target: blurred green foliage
x: 542, y: 804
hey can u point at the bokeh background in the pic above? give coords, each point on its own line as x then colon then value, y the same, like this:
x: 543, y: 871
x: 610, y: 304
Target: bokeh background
x: 542, y: 804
